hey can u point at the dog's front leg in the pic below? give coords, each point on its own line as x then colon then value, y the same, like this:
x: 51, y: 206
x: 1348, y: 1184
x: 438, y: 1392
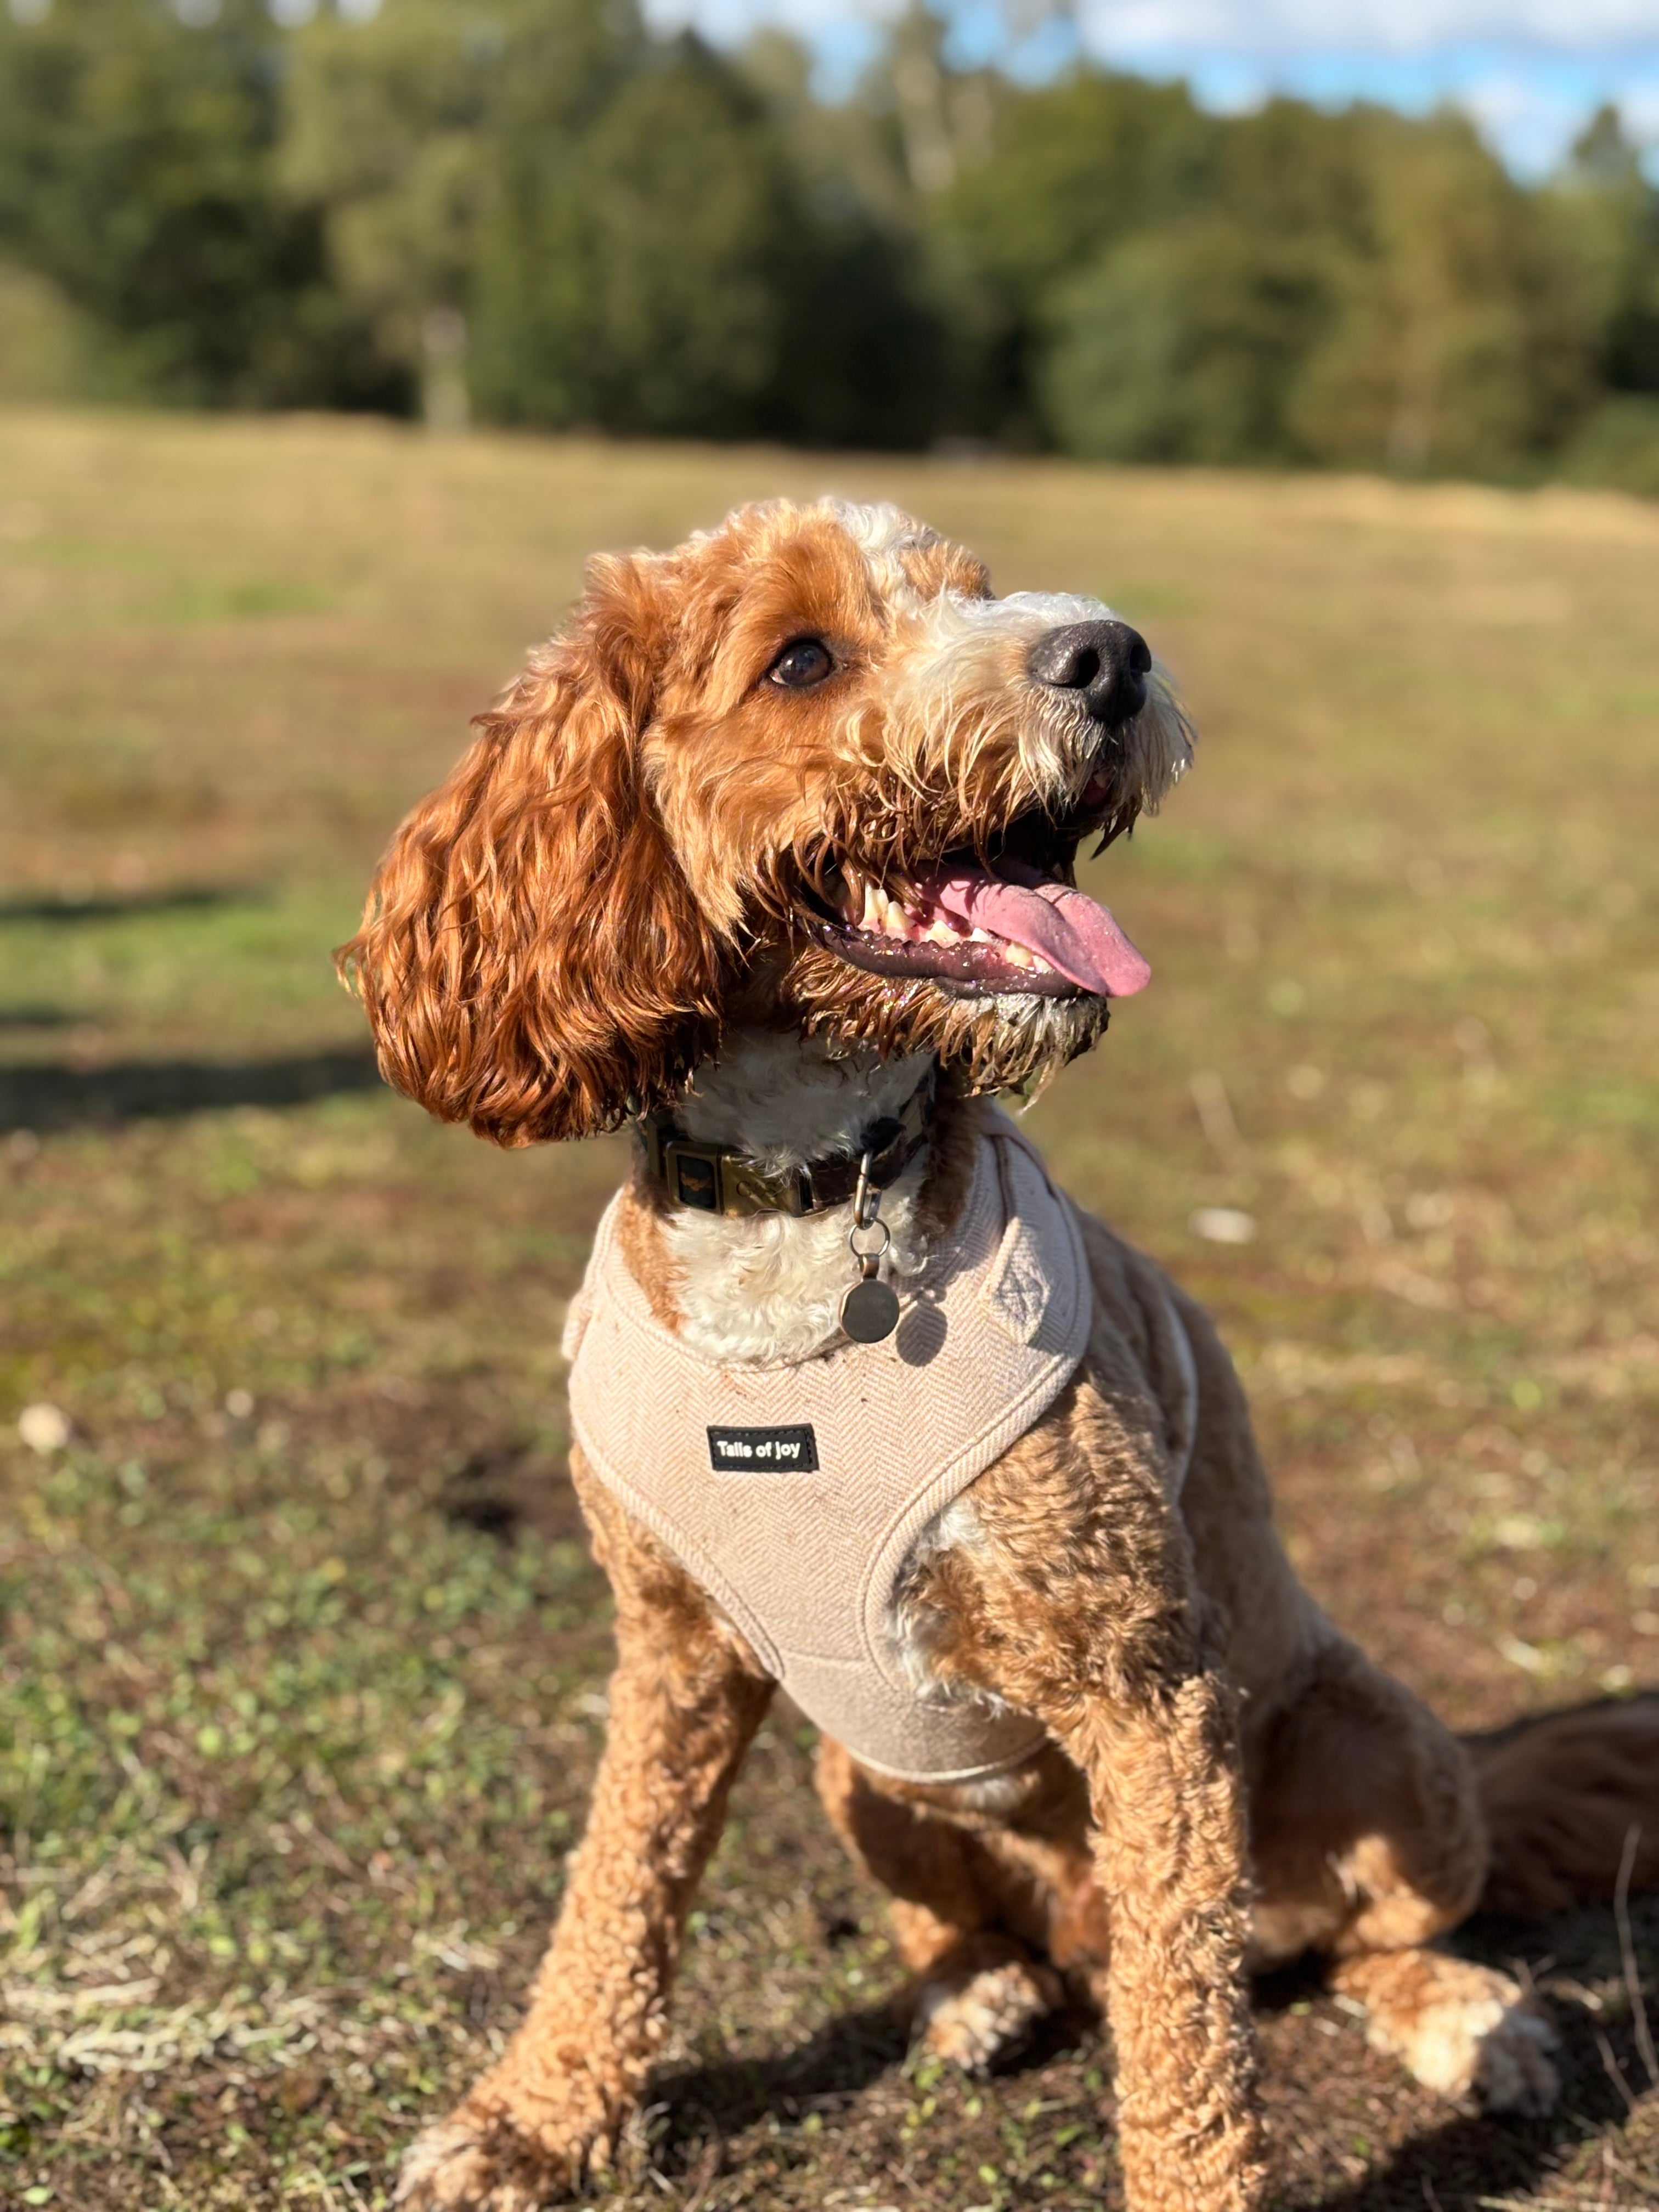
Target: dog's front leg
x: 1169, y: 1857
x: 1084, y: 1609
x: 684, y: 1706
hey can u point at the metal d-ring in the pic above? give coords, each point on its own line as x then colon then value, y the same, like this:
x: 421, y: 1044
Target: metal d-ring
x: 869, y: 1310
x: 871, y: 1251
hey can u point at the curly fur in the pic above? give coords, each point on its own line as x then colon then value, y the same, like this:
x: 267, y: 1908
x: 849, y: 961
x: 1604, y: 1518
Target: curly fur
x: 608, y: 907
x: 496, y: 997
x: 557, y: 937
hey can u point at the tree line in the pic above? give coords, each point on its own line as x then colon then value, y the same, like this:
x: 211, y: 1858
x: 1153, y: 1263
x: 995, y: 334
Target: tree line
x: 540, y: 212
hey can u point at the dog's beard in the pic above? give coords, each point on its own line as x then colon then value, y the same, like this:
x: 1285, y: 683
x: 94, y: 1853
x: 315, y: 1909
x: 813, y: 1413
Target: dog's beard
x: 1013, y: 1042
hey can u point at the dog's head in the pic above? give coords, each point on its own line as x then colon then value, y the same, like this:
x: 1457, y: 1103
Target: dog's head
x: 805, y: 769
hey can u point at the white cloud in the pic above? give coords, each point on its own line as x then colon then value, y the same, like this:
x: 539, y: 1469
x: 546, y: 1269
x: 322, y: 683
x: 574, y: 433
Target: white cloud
x: 1531, y: 119
x: 728, y: 21
x: 1380, y: 26
x: 1529, y: 71
x: 1254, y: 27
x: 1639, y: 103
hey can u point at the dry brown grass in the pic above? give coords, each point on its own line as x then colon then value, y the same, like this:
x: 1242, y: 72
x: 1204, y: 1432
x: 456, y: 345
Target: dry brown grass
x: 277, y: 1858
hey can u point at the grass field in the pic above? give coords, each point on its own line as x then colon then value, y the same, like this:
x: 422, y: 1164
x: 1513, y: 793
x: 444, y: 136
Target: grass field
x: 302, y: 1658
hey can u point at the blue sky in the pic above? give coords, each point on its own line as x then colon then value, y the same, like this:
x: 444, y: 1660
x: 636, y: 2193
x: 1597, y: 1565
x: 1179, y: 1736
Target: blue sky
x: 1529, y: 70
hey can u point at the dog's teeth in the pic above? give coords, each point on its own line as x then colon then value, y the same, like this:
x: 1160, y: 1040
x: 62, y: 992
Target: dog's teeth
x: 1018, y: 955
x: 871, y: 907
x: 896, y: 922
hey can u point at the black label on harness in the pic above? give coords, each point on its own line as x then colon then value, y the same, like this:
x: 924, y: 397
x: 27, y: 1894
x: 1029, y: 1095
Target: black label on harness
x: 770, y: 1451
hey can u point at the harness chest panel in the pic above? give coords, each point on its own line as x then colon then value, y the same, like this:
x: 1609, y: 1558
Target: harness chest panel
x: 794, y: 1492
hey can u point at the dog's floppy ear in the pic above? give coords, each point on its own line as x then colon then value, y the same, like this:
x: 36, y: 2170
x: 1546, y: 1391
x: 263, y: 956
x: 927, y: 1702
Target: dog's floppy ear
x: 531, y: 958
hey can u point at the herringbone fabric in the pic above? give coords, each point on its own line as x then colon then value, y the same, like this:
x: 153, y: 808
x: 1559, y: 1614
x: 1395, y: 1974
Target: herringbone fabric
x: 797, y: 1513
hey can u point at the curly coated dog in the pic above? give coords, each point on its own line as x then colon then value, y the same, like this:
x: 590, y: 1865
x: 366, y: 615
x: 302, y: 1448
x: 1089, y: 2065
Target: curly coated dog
x: 770, y: 854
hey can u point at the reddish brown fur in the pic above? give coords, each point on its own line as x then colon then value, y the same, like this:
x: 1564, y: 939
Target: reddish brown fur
x: 1571, y: 1801
x: 638, y: 760
x: 497, y: 998
x: 555, y: 939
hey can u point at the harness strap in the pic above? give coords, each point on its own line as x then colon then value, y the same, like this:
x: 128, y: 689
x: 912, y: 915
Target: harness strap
x: 1188, y: 1431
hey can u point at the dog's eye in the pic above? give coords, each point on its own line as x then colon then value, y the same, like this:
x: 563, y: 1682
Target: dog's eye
x: 803, y: 662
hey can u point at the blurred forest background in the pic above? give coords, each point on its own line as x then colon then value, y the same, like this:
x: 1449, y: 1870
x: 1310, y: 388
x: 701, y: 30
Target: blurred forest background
x: 538, y: 212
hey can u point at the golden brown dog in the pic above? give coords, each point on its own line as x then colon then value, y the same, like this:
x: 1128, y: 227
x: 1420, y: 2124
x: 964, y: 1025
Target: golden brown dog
x: 778, y: 835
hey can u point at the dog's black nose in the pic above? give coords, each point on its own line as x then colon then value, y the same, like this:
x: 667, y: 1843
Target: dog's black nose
x: 1105, y: 662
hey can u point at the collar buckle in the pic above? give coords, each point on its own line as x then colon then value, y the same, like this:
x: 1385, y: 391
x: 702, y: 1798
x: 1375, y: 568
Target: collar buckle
x: 692, y: 1173
x: 714, y: 1179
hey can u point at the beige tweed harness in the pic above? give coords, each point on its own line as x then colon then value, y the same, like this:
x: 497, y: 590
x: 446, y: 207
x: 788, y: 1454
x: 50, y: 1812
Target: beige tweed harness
x: 794, y: 1492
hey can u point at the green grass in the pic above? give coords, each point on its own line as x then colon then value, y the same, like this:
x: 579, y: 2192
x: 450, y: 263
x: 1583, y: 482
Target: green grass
x: 302, y: 1658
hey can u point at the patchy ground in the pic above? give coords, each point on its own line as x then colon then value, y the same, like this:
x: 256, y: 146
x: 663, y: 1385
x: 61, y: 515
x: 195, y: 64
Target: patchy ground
x: 301, y: 1659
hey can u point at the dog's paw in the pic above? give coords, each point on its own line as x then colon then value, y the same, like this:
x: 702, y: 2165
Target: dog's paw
x: 1517, y: 2071
x: 484, y: 2159
x: 974, y: 2022
x: 1475, y: 2036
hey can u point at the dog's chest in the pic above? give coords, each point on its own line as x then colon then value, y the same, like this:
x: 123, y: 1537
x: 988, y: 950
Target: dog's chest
x: 794, y: 1490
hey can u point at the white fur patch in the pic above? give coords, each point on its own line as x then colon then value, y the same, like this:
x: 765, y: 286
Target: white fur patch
x: 879, y: 528
x: 913, y: 1628
x: 993, y: 1793
x: 972, y: 2023
x: 1482, y: 2039
x: 967, y: 646
x: 968, y: 649
x: 771, y: 1287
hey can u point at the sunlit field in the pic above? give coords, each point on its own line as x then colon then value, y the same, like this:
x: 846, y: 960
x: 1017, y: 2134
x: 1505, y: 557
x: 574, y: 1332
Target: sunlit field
x: 302, y: 1657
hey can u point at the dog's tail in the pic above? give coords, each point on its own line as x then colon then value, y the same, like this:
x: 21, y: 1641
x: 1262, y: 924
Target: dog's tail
x: 1571, y: 1802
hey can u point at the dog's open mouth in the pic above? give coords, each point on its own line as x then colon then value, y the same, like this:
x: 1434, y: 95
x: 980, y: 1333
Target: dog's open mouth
x: 982, y: 928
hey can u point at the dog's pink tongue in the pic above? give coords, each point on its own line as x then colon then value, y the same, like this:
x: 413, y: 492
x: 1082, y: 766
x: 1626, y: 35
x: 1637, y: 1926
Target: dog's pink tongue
x: 1070, y: 932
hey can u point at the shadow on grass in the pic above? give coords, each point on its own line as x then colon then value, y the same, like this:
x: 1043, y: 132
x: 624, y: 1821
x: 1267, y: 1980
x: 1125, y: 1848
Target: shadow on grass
x: 56, y: 1098
x: 1471, y: 2160
x: 845, y: 2056
x: 1468, y: 2159
x: 116, y: 906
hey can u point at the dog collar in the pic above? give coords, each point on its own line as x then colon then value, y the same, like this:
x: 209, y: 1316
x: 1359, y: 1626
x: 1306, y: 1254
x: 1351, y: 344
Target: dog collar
x: 719, y: 1179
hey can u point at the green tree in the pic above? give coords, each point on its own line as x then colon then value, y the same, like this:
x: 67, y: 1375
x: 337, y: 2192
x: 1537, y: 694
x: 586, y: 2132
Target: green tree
x: 1461, y: 341
x: 867, y: 347
x: 1069, y: 171
x: 539, y: 210
x: 1611, y: 214
x: 1184, y: 345
x: 136, y: 172
x: 1185, y: 340
x: 387, y: 128
x: 636, y: 260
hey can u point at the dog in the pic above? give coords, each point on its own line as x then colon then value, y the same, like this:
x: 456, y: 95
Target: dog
x: 770, y: 855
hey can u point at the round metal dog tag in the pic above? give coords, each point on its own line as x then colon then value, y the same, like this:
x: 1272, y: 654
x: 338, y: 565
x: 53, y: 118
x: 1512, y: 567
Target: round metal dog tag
x: 870, y: 1311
